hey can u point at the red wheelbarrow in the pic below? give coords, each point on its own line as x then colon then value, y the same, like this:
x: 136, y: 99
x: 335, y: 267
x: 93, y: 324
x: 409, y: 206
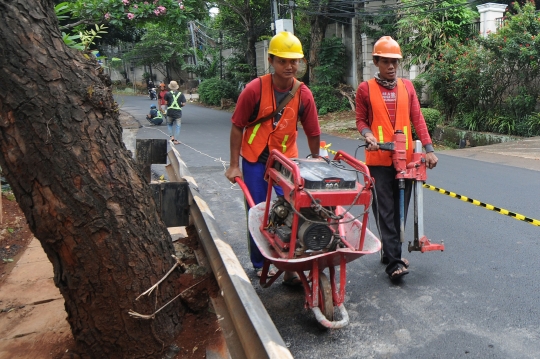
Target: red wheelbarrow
x: 311, y: 228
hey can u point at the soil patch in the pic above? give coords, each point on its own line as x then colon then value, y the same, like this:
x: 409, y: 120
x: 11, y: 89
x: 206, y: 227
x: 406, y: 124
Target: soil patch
x: 340, y: 124
x: 14, y: 235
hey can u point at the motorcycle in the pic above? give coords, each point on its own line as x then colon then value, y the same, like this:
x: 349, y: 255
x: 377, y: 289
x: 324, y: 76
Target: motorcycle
x: 152, y: 94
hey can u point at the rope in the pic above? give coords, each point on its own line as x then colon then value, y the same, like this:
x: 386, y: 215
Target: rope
x: 219, y: 160
x: 153, y: 315
x: 151, y: 289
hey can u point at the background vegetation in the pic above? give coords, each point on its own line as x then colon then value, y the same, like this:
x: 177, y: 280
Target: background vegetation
x: 476, y: 83
x: 493, y: 83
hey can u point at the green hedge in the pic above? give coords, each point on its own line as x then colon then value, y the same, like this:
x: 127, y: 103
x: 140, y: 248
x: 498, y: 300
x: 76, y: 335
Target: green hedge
x: 433, y: 117
x: 211, y: 91
x: 328, y: 99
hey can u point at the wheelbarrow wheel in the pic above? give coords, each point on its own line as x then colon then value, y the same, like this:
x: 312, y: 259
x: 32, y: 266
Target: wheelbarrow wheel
x: 326, y: 303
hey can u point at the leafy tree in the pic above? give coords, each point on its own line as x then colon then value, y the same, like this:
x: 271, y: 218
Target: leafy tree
x: 382, y: 22
x: 244, y: 22
x: 236, y: 70
x: 491, y: 84
x: 161, y: 48
x: 119, y: 12
x: 332, y: 65
x: 455, y: 78
x: 318, y: 18
x: 425, y: 26
x: 207, y: 63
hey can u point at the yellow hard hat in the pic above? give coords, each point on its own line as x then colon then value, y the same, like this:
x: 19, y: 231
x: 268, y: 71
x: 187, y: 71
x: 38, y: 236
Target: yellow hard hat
x: 387, y: 47
x: 286, y: 45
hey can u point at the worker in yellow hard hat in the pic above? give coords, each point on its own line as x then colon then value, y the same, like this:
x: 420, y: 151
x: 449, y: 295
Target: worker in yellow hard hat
x: 254, y: 133
x: 384, y: 105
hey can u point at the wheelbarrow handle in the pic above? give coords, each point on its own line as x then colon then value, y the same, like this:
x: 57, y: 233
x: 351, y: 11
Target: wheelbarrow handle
x: 244, y: 188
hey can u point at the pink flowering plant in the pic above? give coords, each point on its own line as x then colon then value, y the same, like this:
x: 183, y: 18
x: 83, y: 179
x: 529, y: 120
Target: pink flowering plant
x: 116, y: 12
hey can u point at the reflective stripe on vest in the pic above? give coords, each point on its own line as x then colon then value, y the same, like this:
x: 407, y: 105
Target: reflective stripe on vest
x: 381, y: 134
x: 174, y: 104
x: 158, y: 115
x: 406, y: 133
x: 284, y: 144
x: 254, y: 133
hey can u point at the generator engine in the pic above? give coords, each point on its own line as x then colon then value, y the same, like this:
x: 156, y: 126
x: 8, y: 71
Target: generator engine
x: 314, y: 228
x: 312, y: 234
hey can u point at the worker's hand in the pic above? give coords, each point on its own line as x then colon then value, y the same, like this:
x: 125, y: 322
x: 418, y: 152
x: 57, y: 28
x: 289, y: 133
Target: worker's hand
x: 232, y: 173
x: 431, y: 160
x: 371, y: 142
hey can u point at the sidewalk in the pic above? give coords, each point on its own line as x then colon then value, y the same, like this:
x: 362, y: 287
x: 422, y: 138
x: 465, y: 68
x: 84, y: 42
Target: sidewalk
x: 523, y: 153
x: 35, y: 322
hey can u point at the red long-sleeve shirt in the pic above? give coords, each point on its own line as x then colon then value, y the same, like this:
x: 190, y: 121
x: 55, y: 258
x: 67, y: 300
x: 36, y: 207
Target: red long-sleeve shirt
x: 364, y: 114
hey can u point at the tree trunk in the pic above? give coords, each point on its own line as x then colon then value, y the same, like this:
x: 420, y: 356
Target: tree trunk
x: 318, y: 29
x: 83, y: 196
x: 251, y: 55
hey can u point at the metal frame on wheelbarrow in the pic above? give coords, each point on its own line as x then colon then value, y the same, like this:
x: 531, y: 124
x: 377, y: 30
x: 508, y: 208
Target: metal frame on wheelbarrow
x: 323, y: 293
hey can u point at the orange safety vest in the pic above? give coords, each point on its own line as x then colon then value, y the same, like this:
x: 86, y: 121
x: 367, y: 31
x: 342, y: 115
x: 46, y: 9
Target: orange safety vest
x: 382, y: 126
x: 283, y: 137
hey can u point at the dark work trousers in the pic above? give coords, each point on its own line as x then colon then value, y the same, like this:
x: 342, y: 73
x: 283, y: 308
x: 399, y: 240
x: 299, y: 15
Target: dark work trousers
x: 258, y: 188
x: 386, y: 211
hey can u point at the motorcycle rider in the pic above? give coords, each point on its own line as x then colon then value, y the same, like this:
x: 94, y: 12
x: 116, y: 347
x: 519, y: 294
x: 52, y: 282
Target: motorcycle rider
x: 151, y: 90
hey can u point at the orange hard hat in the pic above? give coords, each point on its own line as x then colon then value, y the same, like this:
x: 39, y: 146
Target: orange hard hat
x: 387, y: 47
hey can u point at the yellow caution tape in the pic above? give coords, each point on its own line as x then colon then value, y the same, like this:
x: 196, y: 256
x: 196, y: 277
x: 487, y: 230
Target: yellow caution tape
x: 327, y: 148
x: 534, y: 222
x: 520, y: 217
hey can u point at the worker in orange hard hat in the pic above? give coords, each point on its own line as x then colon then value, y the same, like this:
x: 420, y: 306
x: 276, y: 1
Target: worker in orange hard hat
x: 256, y: 128
x: 384, y: 105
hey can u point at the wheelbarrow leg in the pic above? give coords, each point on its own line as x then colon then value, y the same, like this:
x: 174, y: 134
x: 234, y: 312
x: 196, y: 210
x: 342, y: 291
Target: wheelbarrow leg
x: 264, y: 276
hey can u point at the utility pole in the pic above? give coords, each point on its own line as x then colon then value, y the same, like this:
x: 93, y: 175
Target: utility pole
x: 291, y: 8
x: 221, y: 55
x: 193, y: 41
x: 276, y: 15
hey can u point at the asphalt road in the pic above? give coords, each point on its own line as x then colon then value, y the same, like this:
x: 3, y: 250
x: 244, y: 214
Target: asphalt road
x: 477, y: 299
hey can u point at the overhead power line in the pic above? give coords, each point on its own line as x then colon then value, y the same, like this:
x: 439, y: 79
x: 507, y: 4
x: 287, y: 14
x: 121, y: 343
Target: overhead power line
x: 345, y: 8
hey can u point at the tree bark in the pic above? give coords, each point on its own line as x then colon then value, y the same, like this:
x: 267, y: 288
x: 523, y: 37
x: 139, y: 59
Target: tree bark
x: 251, y: 55
x: 83, y: 195
x: 319, y: 23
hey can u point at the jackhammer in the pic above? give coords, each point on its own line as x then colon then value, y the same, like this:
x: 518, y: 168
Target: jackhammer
x: 416, y: 171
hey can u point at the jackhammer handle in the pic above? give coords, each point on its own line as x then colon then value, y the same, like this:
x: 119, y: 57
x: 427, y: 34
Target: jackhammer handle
x: 244, y: 188
x: 386, y: 146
